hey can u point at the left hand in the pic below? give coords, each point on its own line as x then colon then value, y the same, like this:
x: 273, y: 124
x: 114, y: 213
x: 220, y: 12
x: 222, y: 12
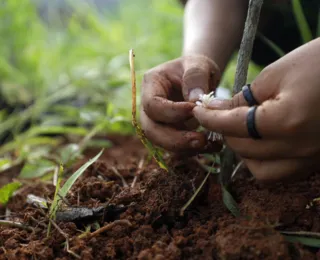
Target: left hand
x: 287, y: 118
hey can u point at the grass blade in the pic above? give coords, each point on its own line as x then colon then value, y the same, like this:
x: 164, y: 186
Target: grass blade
x: 55, y: 202
x: 305, y: 31
x: 68, y: 184
x: 194, y: 194
x: 7, y: 191
x: 307, y: 241
x: 271, y: 44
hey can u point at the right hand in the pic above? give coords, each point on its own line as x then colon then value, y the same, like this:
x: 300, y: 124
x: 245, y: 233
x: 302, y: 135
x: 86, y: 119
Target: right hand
x: 169, y: 92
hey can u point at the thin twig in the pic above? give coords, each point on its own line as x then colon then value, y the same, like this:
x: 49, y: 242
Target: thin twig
x: 38, y: 223
x: 140, y: 165
x: 16, y: 225
x: 122, y: 222
x: 65, y: 235
x: 236, y: 169
x: 182, y: 210
x: 116, y: 172
x: 243, y: 61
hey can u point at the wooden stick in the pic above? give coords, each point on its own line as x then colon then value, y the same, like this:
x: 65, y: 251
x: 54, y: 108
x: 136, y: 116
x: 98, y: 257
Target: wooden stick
x: 246, y: 46
x: 243, y: 61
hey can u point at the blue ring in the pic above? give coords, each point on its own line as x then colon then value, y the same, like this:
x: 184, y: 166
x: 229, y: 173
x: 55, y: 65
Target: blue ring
x: 248, y: 96
x: 251, y: 125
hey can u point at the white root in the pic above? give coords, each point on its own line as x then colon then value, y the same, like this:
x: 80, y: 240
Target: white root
x: 204, y: 100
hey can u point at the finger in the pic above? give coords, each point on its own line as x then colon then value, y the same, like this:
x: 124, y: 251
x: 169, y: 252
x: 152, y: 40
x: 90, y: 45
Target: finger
x: 280, y: 170
x: 273, y: 119
x: 156, y: 87
x: 167, y: 111
x: 201, y: 75
x: 264, y: 87
x: 270, y: 149
x: 171, y: 139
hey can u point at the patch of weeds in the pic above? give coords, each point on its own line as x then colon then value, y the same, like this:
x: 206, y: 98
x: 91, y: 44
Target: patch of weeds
x: 60, y: 193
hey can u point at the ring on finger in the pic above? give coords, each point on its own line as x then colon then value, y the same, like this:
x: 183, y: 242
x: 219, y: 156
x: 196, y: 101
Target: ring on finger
x: 251, y: 123
x: 248, y: 96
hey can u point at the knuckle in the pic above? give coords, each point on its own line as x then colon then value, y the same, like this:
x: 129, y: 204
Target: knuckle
x: 266, y: 73
x: 294, y: 125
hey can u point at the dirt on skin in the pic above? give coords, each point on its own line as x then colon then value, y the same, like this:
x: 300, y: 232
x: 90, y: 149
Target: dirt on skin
x: 143, y: 221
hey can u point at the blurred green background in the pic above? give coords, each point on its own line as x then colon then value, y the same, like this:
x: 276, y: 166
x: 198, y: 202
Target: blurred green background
x: 67, y: 72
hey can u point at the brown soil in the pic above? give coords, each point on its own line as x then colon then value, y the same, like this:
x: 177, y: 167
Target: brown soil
x: 144, y: 221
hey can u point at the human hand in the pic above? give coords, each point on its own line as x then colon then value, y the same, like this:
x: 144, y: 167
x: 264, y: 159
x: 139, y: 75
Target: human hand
x: 169, y: 92
x: 287, y: 117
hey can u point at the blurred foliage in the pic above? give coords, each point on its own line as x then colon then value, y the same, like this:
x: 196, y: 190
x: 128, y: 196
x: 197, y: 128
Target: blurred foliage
x: 71, y: 73
x: 69, y: 77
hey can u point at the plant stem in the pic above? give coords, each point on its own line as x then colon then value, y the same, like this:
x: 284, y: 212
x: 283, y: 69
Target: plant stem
x: 243, y: 61
x: 134, y: 88
x: 16, y: 225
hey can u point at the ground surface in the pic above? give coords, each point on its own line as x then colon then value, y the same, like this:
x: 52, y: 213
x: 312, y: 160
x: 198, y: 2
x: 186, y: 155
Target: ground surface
x: 143, y: 222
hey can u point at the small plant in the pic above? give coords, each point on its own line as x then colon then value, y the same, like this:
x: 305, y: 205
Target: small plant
x: 153, y: 150
x: 60, y: 193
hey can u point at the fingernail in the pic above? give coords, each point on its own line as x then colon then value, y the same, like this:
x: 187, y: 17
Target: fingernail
x: 195, y: 93
x: 217, y: 103
x: 195, y: 144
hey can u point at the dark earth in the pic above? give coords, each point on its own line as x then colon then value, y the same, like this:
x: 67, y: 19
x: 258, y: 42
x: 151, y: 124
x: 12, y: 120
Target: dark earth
x: 144, y: 221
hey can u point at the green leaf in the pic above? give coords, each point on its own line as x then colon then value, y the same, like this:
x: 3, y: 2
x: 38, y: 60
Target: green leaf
x: 7, y: 191
x: 36, y: 169
x: 307, y: 241
x: 229, y: 202
x: 68, y: 184
x: 5, y: 163
x: 69, y: 153
x: 305, y: 31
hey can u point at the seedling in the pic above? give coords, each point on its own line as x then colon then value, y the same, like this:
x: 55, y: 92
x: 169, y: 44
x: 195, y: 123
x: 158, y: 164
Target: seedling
x: 154, y: 151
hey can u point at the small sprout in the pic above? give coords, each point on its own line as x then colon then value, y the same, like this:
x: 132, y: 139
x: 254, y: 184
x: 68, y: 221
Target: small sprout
x: 204, y: 100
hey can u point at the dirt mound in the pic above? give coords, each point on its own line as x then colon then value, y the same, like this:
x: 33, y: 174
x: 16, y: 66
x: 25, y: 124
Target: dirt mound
x: 120, y: 210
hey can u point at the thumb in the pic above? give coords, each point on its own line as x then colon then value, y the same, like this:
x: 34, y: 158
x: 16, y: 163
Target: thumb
x: 201, y: 75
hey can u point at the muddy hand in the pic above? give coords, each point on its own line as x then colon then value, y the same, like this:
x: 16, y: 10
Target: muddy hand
x: 287, y: 117
x: 169, y: 92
